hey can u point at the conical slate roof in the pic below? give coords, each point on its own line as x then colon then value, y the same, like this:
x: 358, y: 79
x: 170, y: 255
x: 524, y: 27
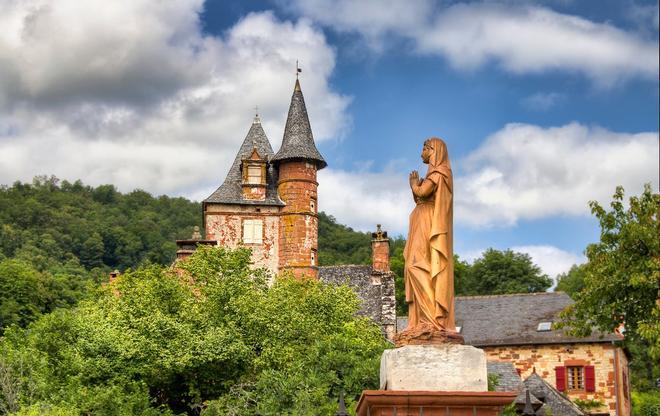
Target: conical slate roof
x: 298, y: 141
x: 230, y: 191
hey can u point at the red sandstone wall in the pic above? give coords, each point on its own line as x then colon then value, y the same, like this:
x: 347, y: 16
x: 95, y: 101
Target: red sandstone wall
x: 546, y: 357
x: 223, y: 223
x: 297, y: 187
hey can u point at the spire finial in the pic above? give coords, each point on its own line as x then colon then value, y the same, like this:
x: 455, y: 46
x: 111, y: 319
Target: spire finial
x: 298, y: 70
x: 256, y: 120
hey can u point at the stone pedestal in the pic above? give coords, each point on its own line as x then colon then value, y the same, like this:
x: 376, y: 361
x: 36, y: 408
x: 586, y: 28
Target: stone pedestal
x: 445, y: 379
x: 444, y: 367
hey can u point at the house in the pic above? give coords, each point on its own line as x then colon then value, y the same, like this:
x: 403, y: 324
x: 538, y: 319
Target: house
x: 518, y: 329
x: 268, y: 202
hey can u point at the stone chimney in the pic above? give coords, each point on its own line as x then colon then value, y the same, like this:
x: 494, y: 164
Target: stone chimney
x: 185, y: 248
x: 380, y: 250
x: 113, y: 275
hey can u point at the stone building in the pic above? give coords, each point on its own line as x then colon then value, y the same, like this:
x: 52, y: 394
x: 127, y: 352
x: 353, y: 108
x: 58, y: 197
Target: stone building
x: 518, y: 329
x: 268, y: 202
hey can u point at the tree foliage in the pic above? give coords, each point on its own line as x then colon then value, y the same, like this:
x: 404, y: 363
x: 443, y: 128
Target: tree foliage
x: 622, y: 276
x: 571, y: 282
x: 210, y: 337
x: 49, y: 222
x: 499, y: 272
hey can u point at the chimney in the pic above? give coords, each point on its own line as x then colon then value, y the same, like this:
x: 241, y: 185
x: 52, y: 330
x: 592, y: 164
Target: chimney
x: 113, y: 275
x: 380, y: 250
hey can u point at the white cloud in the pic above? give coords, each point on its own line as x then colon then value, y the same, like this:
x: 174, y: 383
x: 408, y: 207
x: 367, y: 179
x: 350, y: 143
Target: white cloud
x: 552, y: 260
x: 132, y: 93
x: 529, y: 172
x: 521, y: 39
x: 542, y: 101
x: 363, y: 199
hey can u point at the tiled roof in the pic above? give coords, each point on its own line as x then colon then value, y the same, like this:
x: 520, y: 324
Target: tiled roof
x: 513, y: 320
x: 230, y: 191
x: 298, y: 141
x: 551, y: 397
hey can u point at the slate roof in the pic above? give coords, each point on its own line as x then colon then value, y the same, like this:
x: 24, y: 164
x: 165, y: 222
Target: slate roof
x: 507, y: 376
x: 513, y: 320
x: 550, y: 396
x: 230, y: 191
x: 298, y: 141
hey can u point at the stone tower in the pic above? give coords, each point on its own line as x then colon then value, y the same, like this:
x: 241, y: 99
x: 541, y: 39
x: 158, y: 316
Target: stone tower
x: 297, y: 162
x: 244, y: 210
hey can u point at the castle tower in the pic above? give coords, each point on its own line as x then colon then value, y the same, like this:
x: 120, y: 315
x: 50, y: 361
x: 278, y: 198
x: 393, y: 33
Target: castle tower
x: 244, y: 210
x: 297, y: 162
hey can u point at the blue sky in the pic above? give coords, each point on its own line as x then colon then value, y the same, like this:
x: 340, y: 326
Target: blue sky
x: 543, y: 105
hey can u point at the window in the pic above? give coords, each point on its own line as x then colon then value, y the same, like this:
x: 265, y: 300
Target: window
x: 544, y: 326
x: 312, y: 205
x: 254, y: 174
x: 313, y: 259
x: 252, y: 231
x: 575, y: 378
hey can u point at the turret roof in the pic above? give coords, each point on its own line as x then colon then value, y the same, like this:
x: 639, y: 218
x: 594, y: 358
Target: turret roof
x: 230, y: 191
x: 298, y: 141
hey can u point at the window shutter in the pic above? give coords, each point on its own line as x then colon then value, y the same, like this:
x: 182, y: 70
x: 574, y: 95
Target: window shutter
x: 258, y: 232
x: 560, y: 374
x: 589, y: 378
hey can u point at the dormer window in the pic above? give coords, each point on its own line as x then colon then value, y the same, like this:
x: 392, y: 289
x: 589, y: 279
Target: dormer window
x: 254, y: 170
x: 254, y: 174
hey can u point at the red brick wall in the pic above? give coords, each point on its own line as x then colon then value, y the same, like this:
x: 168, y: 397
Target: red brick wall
x: 297, y: 187
x: 380, y: 251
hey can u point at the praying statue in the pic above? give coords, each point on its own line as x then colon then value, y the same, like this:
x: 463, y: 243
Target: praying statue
x: 429, y: 260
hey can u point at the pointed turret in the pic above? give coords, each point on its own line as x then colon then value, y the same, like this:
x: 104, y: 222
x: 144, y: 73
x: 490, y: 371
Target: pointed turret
x: 297, y: 162
x: 232, y: 189
x: 298, y: 141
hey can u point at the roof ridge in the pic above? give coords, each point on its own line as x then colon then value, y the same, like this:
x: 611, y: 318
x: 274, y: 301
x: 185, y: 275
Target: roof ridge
x: 511, y: 295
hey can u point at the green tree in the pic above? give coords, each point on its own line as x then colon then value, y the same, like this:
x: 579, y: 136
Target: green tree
x: 209, y: 336
x: 498, y: 272
x: 622, y: 276
x: 571, y: 282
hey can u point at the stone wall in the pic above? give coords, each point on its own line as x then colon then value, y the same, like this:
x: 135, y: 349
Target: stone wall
x: 297, y: 188
x: 544, y: 358
x: 375, y: 290
x: 223, y: 223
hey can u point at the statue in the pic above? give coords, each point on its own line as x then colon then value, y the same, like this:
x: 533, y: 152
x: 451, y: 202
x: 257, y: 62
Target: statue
x: 429, y: 261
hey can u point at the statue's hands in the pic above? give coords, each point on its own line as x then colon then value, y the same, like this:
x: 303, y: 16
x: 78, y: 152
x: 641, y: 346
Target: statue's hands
x: 413, y: 179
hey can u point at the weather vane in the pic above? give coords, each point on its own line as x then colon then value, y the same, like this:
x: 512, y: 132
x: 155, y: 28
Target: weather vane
x: 256, y: 111
x: 298, y: 70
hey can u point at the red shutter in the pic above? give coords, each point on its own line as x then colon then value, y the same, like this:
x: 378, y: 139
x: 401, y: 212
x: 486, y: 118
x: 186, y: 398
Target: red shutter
x: 560, y: 373
x: 589, y: 378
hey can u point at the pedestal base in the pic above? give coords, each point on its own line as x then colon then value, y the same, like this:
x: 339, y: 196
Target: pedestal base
x: 445, y: 367
x: 432, y: 403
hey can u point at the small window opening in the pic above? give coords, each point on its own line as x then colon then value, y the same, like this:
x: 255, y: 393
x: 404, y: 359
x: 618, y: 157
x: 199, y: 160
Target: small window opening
x: 313, y: 258
x: 312, y: 205
x: 252, y: 231
x: 544, y: 326
x: 575, y: 378
x: 254, y: 174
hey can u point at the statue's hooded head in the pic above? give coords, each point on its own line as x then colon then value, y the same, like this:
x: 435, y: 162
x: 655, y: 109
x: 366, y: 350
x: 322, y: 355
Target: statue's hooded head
x: 438, y: 158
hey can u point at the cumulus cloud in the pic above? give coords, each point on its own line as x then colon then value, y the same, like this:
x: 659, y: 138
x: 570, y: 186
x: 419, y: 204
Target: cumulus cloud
x: 524, y: 39
x: 529, y: 172
x: 365, y: 198
x: 133, y: 93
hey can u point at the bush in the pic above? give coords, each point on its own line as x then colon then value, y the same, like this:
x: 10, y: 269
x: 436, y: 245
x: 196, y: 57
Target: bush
x: 646, y: 404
